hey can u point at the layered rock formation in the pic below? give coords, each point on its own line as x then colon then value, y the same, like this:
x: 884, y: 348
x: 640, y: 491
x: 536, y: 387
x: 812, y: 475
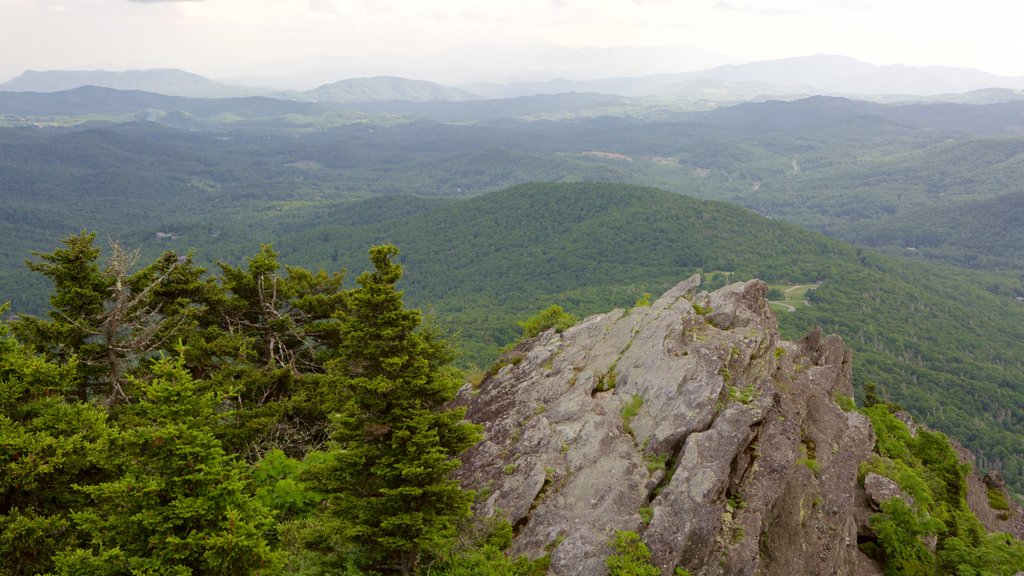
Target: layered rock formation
x: 690, y: 422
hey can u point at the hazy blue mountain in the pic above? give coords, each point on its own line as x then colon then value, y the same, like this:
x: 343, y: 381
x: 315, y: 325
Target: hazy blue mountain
x: 384, y: 89
x: 806, y: 71
x: 787, y: 77
x: 568, y: 104
x: 147, y: 105
x: 167, y: 81
x: 923, y: 80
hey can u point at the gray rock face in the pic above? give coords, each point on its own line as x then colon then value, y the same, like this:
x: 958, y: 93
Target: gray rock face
x: 688, y: 421
x: 1008, y: 518
x: 879, y: 489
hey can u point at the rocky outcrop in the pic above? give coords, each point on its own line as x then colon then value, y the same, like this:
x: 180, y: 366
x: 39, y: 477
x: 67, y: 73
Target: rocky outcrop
x: 688, y: 421
x: 988, y: 499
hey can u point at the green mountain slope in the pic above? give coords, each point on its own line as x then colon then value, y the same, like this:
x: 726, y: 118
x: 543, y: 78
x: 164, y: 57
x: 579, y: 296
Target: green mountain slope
x: 932, y: 337
x: 980, y: 234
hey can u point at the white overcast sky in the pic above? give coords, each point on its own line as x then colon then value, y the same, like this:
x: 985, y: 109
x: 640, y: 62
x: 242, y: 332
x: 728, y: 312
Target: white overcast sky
x: 221, y: 38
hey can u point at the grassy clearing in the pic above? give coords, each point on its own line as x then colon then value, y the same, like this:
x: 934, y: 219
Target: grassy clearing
x: 793, y: 296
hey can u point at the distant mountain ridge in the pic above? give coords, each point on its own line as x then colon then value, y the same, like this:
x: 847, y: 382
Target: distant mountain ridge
x: 826, y: 74
x: 386, y: 88
x: 167, y: 81
x: 787, y: 78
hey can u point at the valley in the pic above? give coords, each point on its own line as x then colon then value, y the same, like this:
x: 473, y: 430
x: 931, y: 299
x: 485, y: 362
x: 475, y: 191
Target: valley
x: 893, y: 225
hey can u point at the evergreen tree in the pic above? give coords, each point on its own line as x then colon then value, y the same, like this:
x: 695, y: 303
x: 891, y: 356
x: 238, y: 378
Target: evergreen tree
x: 266, y: 340
x: 395, y: 443
x: 45, y: 444
x: 179, y: 503
x: 79, y: 292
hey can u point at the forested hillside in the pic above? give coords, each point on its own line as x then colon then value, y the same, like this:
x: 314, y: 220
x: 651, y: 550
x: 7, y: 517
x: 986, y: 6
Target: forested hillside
x: 265, y: 419
x: 934, y: 338
x: 863, y: 172
x: 322, y: 184
x: 979, y: 234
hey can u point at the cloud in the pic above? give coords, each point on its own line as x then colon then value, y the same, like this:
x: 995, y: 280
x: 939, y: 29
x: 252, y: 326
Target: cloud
x: 759, y: 10
x: 161, y: 1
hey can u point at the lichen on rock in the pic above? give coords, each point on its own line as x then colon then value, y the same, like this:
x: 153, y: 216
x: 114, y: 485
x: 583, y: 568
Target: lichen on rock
x: 736, y: 458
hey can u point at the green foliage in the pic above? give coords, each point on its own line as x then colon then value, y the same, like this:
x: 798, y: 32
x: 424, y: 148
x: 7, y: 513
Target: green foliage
x: 631, y: 557
x: 606, y: 381
x: 47, y: 444
x: 702, y: 310
x: 996, y: 554
x: 746, y: 395
x: 78, y: 298
x: 811, y: 464
x: 491, y: 560
x: 927, y: 468
x: 484, y: 554
x: 259, y: 361
x: 629, y: 411
x: 551, y: 317
x: 646, y: 514
x: 845, y: 403
x: 901, y: 533
x: 179, y: 503
x: 276, y: 485
x: 394, y: 444
x: 997, y: 499
x: 643, y: 301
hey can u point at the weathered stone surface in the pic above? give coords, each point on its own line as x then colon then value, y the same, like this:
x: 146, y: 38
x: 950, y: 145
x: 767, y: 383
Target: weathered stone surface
x: 737, y: 453
x: 994, y: 479
x: 1010, y: 521
x: 879, y: 489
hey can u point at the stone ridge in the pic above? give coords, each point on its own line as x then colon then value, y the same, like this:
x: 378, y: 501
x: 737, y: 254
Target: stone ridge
x: 688, y: 421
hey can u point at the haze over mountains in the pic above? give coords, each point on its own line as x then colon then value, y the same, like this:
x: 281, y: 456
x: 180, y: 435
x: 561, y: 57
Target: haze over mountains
x: 168, y: 159
x: 786, y: 78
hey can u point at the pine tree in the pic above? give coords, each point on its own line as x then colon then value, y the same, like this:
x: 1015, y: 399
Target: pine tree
x: 394, y: 442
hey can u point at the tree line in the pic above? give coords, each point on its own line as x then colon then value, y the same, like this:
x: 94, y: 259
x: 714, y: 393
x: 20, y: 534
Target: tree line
x: 263, y: 419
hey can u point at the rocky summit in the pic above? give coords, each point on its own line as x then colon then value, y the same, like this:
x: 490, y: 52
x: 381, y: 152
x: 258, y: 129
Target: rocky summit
x: 692, y: 423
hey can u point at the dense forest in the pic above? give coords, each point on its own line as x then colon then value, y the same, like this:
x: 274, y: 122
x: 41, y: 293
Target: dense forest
x: 265, y: 419
x: 161, y: 422
x: 104, y: 355
x: 940, y: 340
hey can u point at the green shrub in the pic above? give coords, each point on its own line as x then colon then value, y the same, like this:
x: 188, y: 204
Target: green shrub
x: 551, y: 317
x: 629, y: 411
x: 631, y: 557
x: 845, y: 403
x: 702, y: 310
x: 997, y: 499
x: 606, y: 381
x: 646, y: 514
x: 743, y: 396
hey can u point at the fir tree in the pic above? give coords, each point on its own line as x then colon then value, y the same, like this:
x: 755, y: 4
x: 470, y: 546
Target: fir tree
x: 45, y: 443
x: 179, y: 503
x: 394, y: 442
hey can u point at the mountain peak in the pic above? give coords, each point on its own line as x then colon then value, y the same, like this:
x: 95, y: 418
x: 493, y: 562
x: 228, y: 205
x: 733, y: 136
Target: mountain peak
x: 691, y: 422
x: 385, y: 88
x: 167, y: 81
